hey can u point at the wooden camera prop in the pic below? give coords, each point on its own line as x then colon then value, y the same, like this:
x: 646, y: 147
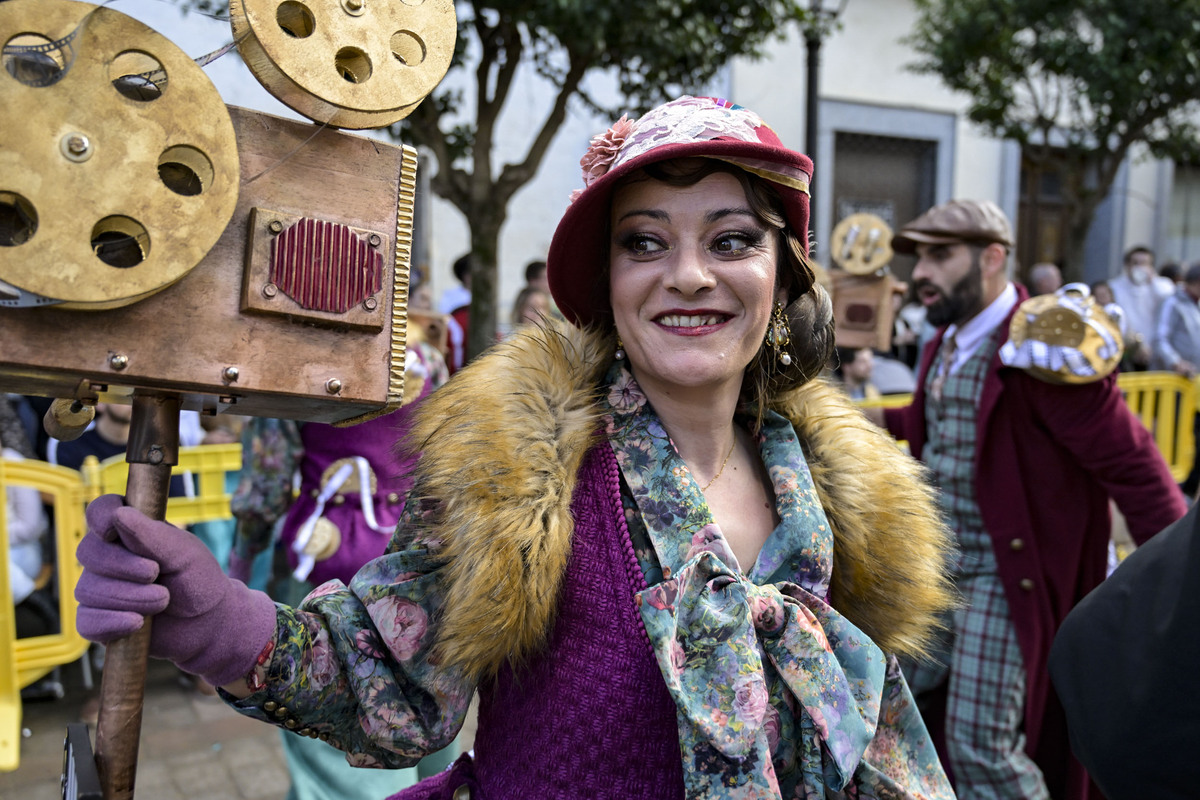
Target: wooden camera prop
x: 155, y: 238
x: 863, y: 286
x: 160, y: 248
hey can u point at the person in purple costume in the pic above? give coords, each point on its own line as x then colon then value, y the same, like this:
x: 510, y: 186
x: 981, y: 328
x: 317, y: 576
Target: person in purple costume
x: 672, y: 560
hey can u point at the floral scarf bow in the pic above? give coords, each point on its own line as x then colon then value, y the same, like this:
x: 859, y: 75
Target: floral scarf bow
x: 758, y: 663
x: 708, y: 614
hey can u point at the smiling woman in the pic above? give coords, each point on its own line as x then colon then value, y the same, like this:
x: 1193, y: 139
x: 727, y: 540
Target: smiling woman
x: 671, y: 560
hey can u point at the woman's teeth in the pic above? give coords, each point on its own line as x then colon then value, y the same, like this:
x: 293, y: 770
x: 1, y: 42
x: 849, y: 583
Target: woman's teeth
x: 695, y: 321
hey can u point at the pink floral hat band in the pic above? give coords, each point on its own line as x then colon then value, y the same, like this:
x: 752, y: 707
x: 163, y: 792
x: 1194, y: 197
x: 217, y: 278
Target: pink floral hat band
x: 685, y: 121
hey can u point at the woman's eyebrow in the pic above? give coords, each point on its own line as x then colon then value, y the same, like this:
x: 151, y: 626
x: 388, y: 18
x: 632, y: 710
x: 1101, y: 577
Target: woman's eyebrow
x: 663, y: 216
x: 653, y: 213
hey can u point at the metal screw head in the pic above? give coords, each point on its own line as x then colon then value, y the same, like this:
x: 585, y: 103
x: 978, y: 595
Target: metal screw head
x: 370, y: 304
x: 354, y: 7
x: 118, y: 361
x: 374, y: 239
x: 229, y: 374
x: 226, y: 400
x: 155, y: 456
x: 275, y: 226
x: 76, y: 147
x: 333, y: 385
x: 269, y: 290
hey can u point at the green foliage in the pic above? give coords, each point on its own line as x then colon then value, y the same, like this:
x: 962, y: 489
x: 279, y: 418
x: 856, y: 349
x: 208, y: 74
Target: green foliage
x: 1076, y: 82
x: 1097, y: 74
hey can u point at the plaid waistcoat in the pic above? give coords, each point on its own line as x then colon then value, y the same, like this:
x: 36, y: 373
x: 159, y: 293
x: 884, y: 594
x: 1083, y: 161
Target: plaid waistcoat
x: 951, y: 429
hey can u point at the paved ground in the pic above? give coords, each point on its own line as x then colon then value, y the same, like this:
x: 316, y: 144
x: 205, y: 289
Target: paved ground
x: 193, y: 746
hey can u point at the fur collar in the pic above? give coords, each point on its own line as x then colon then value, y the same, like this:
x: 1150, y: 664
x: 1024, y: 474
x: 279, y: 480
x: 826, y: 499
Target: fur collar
x: 503, y: 441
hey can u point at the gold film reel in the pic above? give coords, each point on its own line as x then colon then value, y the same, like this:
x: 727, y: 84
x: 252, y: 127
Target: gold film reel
x: 118, y: 161
x: 862, y: 244
x: 347, y: 63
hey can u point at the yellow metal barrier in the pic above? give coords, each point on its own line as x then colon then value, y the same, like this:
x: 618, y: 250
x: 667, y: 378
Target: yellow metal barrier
x: 1166, y: 405
x: 207, y: 465
x: 885, y: 401
x: 23, y: 661
x: 1163, y: 401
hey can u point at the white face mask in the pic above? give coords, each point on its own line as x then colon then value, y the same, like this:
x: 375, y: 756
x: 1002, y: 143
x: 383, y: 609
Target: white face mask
x: 1141, y: 275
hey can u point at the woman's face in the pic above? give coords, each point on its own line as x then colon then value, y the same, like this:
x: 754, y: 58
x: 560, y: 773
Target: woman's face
x: 692, y: 281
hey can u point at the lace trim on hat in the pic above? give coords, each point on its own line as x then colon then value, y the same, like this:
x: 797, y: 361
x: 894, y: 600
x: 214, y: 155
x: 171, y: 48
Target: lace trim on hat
x: 689, y: 119
x: 682, y: 121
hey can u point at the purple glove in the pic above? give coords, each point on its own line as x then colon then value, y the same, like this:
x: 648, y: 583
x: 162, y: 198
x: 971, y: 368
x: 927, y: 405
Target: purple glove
x: 207, y: 623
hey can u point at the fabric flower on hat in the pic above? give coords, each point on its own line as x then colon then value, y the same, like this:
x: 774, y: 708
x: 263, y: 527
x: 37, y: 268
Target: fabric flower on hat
x: 603, y: 151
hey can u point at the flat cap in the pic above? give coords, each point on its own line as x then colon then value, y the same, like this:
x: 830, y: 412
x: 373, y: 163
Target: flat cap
x: 969, y: 221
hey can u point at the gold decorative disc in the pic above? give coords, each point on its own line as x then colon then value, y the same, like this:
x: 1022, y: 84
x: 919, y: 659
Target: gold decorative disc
x: 325, y: 540
x: 862, y: 244
x: 347, y: 63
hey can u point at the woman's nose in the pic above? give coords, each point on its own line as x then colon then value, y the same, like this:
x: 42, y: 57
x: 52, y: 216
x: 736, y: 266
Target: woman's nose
x: 689, y: 271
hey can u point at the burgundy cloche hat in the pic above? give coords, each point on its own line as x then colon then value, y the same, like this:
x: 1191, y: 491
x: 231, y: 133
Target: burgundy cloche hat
x: 683, y: 128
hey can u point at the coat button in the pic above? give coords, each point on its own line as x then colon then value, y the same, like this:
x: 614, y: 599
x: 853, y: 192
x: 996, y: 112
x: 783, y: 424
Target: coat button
x: 393, y: 498
x: 339, y: 499
x: 462, y: 793
x: 281, y: 713
x: 1026, y: 584
x: 270, y: 706
x: 1017, y: 544
x: 291, y: 724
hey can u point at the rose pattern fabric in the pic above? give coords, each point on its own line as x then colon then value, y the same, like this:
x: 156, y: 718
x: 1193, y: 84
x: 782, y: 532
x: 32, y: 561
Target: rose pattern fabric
x: 778, y: 695
x: 354, y: 662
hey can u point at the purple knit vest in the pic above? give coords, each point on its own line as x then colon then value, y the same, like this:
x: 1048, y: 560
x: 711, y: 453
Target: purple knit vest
x: 590, y: 716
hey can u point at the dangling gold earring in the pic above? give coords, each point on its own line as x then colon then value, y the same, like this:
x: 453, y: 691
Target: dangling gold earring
x: 779, y: 335
x: 620, y: 354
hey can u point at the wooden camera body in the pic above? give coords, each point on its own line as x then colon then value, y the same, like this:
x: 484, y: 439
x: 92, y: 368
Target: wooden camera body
x: 297, y: 311
x: 862, y: 286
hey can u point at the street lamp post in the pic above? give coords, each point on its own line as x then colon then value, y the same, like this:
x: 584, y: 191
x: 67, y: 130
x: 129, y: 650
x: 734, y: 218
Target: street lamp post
x: 824, y: 14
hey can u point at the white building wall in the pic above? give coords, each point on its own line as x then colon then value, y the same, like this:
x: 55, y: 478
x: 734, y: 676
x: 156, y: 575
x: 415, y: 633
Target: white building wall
x: 1143, y: 201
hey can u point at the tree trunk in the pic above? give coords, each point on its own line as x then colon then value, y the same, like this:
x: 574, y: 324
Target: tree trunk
x: 485, y: 248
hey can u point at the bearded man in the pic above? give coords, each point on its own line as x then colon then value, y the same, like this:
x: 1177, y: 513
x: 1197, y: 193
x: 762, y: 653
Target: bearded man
x: 1025, y: 469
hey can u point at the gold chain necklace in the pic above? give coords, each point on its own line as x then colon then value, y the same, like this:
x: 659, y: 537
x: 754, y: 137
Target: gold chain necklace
x: 704, y: 488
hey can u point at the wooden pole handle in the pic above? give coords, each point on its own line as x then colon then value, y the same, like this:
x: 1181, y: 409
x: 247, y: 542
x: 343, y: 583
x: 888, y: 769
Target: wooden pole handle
x: 153, y: 448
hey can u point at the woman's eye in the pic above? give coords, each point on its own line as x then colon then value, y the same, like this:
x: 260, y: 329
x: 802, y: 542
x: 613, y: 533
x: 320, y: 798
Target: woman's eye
x: 641, y: 244
x: 735, y: 242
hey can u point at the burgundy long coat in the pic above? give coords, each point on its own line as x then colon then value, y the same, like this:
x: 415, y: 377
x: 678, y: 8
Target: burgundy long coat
x: 1049, y: 457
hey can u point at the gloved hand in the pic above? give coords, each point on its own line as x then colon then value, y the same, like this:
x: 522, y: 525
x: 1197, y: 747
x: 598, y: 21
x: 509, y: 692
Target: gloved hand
x: 207, y: 623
